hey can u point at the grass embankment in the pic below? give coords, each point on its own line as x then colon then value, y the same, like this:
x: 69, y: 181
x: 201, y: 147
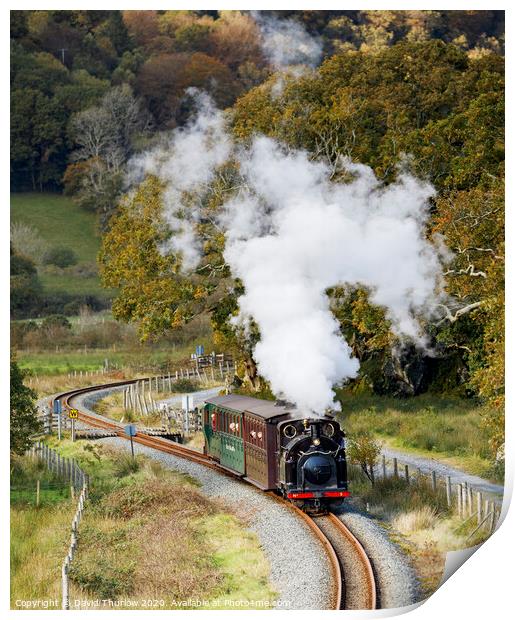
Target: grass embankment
x: 440, y: 427
x: 145, y: 359
x: 149, y: 534
x: 39, y: 535
x: 61, y: 223
x: 418, y: 519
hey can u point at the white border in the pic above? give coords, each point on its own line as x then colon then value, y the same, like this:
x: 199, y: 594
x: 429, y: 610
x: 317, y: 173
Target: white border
x: 482, y: 587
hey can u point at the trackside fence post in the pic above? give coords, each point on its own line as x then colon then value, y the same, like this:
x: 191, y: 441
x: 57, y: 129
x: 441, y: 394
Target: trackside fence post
x: 448, y: 491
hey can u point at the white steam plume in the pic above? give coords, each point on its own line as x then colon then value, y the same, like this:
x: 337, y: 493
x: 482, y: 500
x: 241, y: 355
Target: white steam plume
x: 186, y: 162
x: 286, y: 42
x: 291, y: 233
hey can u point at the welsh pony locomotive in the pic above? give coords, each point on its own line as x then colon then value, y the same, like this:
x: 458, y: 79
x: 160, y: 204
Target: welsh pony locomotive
x: 274, y: 447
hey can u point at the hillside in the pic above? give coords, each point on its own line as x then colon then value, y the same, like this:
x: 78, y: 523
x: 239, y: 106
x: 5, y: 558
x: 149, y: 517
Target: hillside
x: 61, y: 223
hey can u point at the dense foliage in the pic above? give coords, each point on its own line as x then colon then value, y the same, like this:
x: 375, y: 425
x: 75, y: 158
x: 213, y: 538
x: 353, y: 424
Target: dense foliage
x: 64, y: 62
x: 443, y: 110
x: 24, y: 422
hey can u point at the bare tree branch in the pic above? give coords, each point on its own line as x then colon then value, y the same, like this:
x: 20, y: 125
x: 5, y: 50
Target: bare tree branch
x: 469, y: 271
x: 452, y: 318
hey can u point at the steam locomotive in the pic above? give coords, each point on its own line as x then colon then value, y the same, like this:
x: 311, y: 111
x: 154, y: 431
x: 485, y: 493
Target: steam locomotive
x: 275, y: 448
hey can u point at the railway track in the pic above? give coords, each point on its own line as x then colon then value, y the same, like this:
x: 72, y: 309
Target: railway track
x: 358, y: 588
x: 352, y: 571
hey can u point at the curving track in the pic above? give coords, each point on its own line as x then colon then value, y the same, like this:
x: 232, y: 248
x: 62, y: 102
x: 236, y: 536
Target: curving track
x: 353, y: 575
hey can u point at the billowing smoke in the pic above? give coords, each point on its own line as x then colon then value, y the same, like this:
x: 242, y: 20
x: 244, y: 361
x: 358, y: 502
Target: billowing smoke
x: 286, y: 42
x: 186, y: 162
x: 291, y: 233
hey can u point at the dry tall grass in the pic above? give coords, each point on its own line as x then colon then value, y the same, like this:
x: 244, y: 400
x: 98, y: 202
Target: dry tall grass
x: 420, y: 519
x: 149, y: 533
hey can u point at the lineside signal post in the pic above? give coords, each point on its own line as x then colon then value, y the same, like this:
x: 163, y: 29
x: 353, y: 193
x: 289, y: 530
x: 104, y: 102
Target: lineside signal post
x: 73, y: 414
x: 131, y: 431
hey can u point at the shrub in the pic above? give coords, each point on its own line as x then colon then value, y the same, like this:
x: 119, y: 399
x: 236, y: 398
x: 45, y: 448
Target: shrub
x: 60, y: 257
x: 185, y: 385
x: 27, y: 241
x: 364, y: 450
x: 85, y: 270
x: 55, y: 320
x: 126, y: 465
x: 20, y: 330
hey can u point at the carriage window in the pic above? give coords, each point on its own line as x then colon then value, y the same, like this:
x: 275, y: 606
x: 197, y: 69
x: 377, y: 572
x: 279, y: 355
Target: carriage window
x: 234, y: 425
x: 237, y: 426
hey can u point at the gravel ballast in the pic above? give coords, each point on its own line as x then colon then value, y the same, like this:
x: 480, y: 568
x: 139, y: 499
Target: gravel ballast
x: 397, y: 581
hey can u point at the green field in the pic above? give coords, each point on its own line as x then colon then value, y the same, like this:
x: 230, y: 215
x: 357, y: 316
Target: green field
x: 147, y: 356
x: 60, y: 222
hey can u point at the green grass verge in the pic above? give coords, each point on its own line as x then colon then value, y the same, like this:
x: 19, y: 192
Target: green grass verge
x: 60, y: 222
x: 147, y: 356
x: 418, y: 519
x: 434, y: 426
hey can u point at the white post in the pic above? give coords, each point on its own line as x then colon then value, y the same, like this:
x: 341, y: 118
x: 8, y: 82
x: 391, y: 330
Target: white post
x: 65, y: 586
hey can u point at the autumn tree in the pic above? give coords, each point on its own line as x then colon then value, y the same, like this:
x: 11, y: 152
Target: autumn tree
x: 153, y: 290
x: 104, y: 137
x: 142, y: 26
x: 154, y: 293
x: 236, y: 39
x: 164, y: 78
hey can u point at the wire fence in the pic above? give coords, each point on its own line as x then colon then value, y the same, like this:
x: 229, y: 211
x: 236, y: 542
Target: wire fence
x: 40, y: 493
x: 462, y: 499
x: 70, y: 477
